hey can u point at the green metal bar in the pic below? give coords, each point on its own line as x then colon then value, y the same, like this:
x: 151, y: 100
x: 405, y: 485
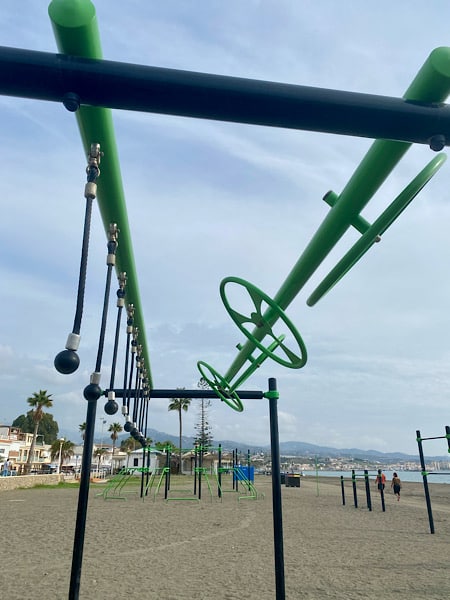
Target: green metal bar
x: 76, y: 32
x: 360, y: 224
x: 431, y: 84
x: 119, y: 481
x: 378, y: 227
x: 150, y: 482
x: 163, y: 473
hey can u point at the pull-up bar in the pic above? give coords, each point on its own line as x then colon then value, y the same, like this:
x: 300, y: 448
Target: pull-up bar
x: 425, y: 473
x: 77, y: 81
x: 208, y: 394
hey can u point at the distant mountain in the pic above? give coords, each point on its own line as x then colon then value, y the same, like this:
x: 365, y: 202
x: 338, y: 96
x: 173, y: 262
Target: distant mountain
x: 305, y: 449
x: 286, y: 448
x: 291, y: 448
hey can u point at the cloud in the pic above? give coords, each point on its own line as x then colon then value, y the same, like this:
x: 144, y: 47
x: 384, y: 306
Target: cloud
x: 208, y: 200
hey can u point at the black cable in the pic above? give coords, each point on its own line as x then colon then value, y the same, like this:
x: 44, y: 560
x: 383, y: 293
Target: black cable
x: 68, y: 361
x: 111, y: 406
x: 136, y: 392
x: 83, y: 267
x: 120, y: 304
x: 130, y: 311
x: 112, y: 246
x: 130, y: 379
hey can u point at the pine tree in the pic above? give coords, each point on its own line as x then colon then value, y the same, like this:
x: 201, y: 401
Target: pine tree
x: 204, y: 437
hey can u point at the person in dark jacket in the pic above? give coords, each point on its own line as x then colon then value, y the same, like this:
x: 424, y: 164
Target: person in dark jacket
x: 396, y: 485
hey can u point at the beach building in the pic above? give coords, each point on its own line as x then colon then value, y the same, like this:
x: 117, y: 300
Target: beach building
x: 135, y: 459
x: 16, y: 445
x: 210, y: 461
x: 75, y: 460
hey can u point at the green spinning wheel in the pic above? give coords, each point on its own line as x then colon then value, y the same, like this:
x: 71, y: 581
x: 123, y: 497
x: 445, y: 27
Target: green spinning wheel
x: 220, y: 385
x: 263, y: 324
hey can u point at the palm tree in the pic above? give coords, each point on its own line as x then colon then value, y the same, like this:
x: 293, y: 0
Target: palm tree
x: 180, y: 404
x: 66, y: 448
x: 115, y: 428
x: 99, y: 452
x: 82, y: 429
x: 128, y: 445
x: 38, y: 401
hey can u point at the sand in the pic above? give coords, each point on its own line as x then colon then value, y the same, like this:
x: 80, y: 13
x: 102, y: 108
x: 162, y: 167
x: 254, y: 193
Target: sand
x: 179, y: 550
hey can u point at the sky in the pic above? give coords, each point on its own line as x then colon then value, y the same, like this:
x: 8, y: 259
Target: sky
x: 207, y: 200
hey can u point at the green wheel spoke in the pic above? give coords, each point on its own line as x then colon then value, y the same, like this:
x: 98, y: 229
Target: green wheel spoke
x: 220, y: 386
x: 263, y: 324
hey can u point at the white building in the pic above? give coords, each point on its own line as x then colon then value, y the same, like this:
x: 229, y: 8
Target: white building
x: 136, y: 459
x: 16, y: 445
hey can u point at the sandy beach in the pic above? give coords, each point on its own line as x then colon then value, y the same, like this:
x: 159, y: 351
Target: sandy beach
x: 223, y: 550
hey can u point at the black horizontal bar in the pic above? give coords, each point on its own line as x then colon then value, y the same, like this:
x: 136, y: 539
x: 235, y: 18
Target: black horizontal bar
x: 210, y: 394
x: 438, y: 437
x: 47, y: 76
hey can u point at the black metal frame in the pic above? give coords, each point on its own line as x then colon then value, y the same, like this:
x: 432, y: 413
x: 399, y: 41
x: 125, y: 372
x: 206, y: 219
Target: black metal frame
x: 272, y: 395
x: 76, y: 81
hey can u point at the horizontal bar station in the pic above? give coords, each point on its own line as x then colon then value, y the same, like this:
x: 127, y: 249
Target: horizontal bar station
x: 209, y: 394
x: 78, y: 81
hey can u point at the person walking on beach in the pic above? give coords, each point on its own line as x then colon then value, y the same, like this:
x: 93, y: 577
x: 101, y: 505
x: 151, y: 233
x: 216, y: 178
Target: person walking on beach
x: 396, y: 484
x: 380, y: 480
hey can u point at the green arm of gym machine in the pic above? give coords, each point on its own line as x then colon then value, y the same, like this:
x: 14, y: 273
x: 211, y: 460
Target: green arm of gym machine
x: 75, y: 28
x: 431, y: 85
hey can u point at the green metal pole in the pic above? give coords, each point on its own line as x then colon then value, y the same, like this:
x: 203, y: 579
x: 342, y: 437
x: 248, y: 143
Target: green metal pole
x: 317, y: 476
x: 76, y: 32
x: 431, y: 84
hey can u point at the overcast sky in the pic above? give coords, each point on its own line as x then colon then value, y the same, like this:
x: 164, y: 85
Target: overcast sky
x: 207, y: 200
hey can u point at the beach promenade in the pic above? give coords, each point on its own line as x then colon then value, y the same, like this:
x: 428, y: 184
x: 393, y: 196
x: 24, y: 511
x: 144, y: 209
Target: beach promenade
x: 224, y: 550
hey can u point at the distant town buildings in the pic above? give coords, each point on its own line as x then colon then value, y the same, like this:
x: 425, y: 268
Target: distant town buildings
x: 15, y: 445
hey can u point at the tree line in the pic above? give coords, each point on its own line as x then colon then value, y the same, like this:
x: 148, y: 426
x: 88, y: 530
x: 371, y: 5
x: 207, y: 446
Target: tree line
x: 39, y: 422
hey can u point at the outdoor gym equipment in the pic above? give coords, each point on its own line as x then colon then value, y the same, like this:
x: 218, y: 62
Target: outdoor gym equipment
x: 354, y: 478
x: 163, y: 476
x: 115, y: 488
x: 426, y: 473
x: 68, y: 360
x: 238, y: 474
x: 394, y: 123
x: 259, y: 319
x: 418, y: 117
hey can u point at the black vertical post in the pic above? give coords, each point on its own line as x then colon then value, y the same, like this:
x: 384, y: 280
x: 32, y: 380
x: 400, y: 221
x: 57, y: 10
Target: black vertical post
x: 148, y: 463
x: 425, y: 481
x: 366, y: 480
x: 219, y: 474
x: 248, y: 465
x: 195, y: 468
x: 276, y: 491
x: 166, y: 480
x: 169, y: 473
x: 236, y: 484
x: 342, y: 490
x: 234, y: 475
x: 447, y: 435
x: 143, y: 471
x: 83, y: 497
x: 200, y: 473
x: 381, y: 488
x: 355, y: 495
